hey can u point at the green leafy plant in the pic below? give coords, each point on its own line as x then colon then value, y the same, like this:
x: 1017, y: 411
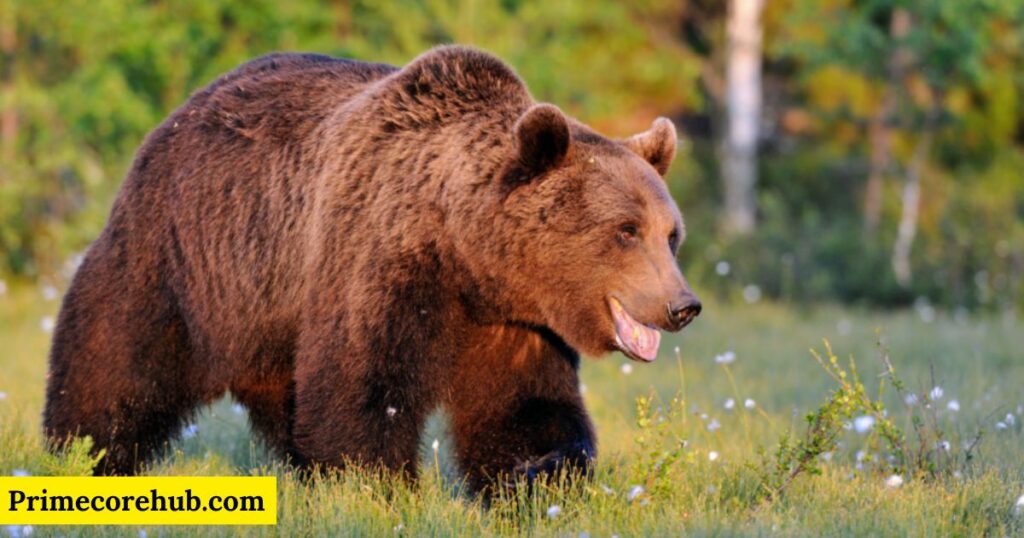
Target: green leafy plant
x: 660, y: 447
x: 926, y: 455
x: 75, y: 459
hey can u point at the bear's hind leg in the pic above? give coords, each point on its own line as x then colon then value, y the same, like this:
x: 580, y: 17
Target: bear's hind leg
x: 517, y: 411
x: 271, y: 406
x: 119, y: 369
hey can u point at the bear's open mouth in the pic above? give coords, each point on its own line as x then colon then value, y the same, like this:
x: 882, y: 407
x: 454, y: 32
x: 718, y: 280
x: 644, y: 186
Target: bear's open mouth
x: 638, y: 341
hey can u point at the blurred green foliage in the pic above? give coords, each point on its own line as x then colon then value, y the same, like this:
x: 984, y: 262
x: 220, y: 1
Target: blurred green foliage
x: 81, y: 82
x: 828, y: 73
x: 85, y: 80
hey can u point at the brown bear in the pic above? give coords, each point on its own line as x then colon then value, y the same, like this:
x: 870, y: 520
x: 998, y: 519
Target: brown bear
x: 345, y: 246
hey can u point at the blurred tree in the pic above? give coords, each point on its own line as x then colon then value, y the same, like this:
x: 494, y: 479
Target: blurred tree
x: 880, y: 131
x: 743, y: 111
x: 8, y: 115
x: 911, y: 55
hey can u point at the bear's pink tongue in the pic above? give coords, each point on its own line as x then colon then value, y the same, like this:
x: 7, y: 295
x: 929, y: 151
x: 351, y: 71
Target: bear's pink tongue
x: 637, y: 340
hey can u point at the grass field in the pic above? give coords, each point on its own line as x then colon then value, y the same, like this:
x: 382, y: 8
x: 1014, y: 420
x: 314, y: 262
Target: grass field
x: 709, y: 485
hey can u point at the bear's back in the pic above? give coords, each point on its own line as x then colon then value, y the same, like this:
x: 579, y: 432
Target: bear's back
x: 228, y: 195
x: 282, y: 96
x: 221, y: 190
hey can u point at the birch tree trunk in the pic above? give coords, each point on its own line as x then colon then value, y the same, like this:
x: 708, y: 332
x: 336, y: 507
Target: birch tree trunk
x: 911, y: 202
x: 743, y: 113
x: 880, y: 133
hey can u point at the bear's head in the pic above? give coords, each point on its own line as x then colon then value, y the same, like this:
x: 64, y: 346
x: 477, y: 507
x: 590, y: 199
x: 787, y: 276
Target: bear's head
x: 594, y: 234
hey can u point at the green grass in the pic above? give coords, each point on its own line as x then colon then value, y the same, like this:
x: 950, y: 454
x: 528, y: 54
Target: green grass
x: 978, y: 362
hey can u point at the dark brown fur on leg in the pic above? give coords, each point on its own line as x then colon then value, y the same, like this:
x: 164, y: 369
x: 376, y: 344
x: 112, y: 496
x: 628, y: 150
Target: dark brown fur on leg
x: 358, y: 414
x: 271, y: 407
x: 516, y: 408
x: 119, y: 366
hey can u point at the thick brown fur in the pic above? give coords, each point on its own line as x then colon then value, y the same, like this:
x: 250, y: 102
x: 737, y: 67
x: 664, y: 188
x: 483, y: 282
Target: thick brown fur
x: 345, y: 246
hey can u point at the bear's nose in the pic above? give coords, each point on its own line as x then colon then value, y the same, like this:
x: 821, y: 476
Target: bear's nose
x: 682, y: 312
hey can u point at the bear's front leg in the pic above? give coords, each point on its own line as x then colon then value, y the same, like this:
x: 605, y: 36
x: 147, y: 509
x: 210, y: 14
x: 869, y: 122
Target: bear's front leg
x: 516, y: 409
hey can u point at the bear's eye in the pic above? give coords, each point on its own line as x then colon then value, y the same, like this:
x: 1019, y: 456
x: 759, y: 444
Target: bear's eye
x: 673, y: 240
x: 627, y: 233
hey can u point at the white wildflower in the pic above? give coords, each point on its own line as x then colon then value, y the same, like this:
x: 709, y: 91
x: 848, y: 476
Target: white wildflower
x: 1001, y: 425
x: 554, y: 510
x: 20, y: 472
x: 1010, y: 420
x: 961, y: 316
x: 47, y: 324
x: 583, y: 388
x: 894, y: 481
x: 17, y: 531
x: 749, y: 403
x: 72, y: 264
x: 714, y: 425
x: 1018, y: 507
x: 936, y: 393
x: 49, y: 292
x: 391, y: 411
x: 751, y: 294
x: 189, y: 431
x: 712, y: 456
x: 863, y: 423
x: 861, y: 456
x: 722, y: 268
x: 3, y: 395
x: 924, y: 309
x: 826, y: 456
x: 436, y: 445
x: 730, y: 404
x: 634, y: 492
x: 607, y: 490
x: 953, y: 405
x: 143, y: 533
x: 237, y: 409
x: 910, y: 399
x: 942, y: 445
x: 728, y: 357
x: 627, y: 368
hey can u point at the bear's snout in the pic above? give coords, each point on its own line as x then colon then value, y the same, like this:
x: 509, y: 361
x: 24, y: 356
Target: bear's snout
x: 682, y: 311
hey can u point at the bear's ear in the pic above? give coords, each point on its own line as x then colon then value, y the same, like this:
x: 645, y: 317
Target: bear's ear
x: 542, y: 138
x: 656, y: 145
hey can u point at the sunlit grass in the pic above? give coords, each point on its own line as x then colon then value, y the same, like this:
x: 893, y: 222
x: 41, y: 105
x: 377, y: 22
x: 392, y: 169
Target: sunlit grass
x: 636, y: 490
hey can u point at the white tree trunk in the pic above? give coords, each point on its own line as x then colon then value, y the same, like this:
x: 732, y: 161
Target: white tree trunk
x: 743, y: 114
x: 911, y: 203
